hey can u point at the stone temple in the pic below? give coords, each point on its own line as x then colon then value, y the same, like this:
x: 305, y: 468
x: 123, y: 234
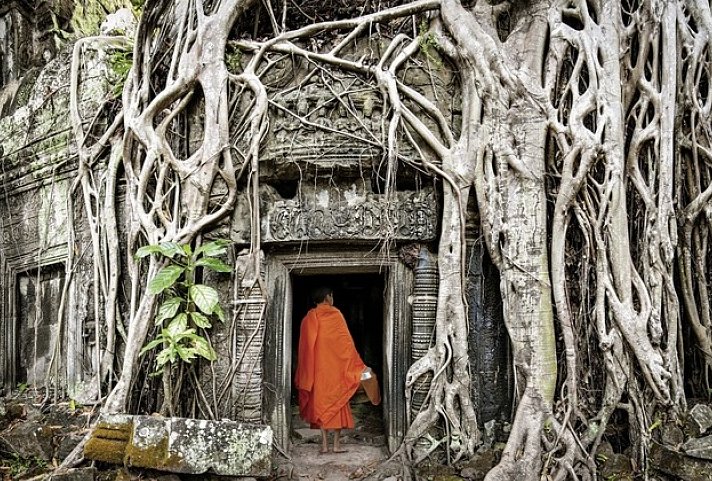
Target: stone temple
x: 325, y: 219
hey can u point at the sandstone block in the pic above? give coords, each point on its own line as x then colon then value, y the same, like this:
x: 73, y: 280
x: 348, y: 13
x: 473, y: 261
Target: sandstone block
x: 678, y: 465
x: 29, y: 440
x: 699, y: 419
x: 181, y: 445
x: 699, y: 447
x: 79, y: 474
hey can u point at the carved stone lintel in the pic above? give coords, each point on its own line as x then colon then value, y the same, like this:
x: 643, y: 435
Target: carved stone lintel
x: 408, y: 216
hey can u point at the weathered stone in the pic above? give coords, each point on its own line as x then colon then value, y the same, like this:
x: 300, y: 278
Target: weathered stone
x: 699, y: 420
x: 346, y: 213
x: 479, y: 464
x: 490, y: 432
x: 109, y: 439
x: 29, y: 440
x: 67, y: 444
x: 671, y: 435
x: 352, y: 214
x: 676, y: 464
x: 307, y: 434
x: 468, y: 473
x: 61, y: 414
x: 121, y: 22
x: 13, y: 412
x: 78, y: 474
x: 617, y: 465
x: 182, y: 445
x: 699, y: 447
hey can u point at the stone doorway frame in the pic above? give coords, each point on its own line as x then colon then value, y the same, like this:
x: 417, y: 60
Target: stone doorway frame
x: 396, y: 336
x: 10, y: 270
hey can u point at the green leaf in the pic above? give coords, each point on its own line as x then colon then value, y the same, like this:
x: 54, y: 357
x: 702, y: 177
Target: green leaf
x: 214, y: 263
x: 218, y: 311
x: 205, y: 297
x: 178, y: 325
x: 156, y: 342
x: 165, y: 278
x: 168, y: 309
x: 213, y: 249
x: 200, y: 320
x: 166, y: 355
x: 147, y: 250
x: 203, y: 349
x: 170, y: 249
x: 187, y: 249
x: 185, y: 353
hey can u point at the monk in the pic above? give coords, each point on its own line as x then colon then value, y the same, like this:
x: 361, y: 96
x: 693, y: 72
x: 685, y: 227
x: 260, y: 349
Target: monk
x: 329, y: 369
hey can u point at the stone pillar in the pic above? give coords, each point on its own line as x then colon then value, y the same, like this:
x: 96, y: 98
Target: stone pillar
x: 250, y: 334
x: 425, y: 301
x: 488, y: 340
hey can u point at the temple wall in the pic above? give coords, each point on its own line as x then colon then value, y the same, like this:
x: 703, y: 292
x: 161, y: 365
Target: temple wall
x: 38, y: 165
x: 325, y: 207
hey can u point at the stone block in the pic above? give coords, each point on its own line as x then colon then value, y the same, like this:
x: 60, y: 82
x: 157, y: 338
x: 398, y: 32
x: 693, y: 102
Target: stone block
x: 678, y: 465
x: 109, y: 439
x: 307, y: 434
x: 181, y: 445
x: 29, y: 440
x: 69, y: 419
x: 67, y: 444
x: 671, y: 435
x: 78, y: 474
x: 699, y: 420
x: 699, y: 447
x: 617, y: 465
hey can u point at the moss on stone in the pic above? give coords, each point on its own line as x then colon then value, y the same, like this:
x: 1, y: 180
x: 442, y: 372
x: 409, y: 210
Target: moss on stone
x: 108, y: 442
x: 107, y: 450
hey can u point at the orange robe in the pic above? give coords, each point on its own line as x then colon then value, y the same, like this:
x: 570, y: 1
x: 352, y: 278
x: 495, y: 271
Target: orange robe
x: 328, y: 369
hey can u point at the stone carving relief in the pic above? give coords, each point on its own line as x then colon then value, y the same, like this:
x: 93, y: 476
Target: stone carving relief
x: 410, y: 215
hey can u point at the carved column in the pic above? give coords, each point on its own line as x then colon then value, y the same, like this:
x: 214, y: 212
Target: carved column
x: 247, y: 387
x: 249, y: 342
x: 425, y: 301
x: 488, y: 341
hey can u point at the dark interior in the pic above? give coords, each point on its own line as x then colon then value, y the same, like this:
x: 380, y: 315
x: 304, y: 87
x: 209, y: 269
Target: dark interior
x: 360, y: 298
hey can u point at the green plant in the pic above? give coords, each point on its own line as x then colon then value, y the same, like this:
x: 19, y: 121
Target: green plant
x: 233, y: 61
x: 20, y: 466
x: 188, y: 307
x: 658, y: 422
x: 120, y: 63
x: 428, y: 43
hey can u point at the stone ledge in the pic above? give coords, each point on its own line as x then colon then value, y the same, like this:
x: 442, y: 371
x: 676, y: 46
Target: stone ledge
x: 677, y: 464
x: 182, y: 445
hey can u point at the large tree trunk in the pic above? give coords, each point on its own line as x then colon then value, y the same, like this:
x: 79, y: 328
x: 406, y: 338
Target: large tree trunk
x: 570, y: 99
x: 526, y: 293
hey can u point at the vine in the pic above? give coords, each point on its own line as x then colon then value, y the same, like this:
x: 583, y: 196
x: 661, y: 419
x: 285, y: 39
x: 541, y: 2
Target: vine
x: 576, y: 176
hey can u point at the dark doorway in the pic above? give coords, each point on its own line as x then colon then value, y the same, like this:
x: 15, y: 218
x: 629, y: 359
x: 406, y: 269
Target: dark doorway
x: 38, y: 292
x: 360, y: 298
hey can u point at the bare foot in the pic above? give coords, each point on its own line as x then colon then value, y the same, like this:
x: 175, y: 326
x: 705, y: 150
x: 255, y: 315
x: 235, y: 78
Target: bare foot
x: 341, y: 450
x: 323, y: 451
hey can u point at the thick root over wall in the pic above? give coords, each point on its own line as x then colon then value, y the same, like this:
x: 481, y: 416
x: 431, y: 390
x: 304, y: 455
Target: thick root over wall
x: 578, y: 136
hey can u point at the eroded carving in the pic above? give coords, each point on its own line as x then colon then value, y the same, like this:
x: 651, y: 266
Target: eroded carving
x: 411, y: 215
